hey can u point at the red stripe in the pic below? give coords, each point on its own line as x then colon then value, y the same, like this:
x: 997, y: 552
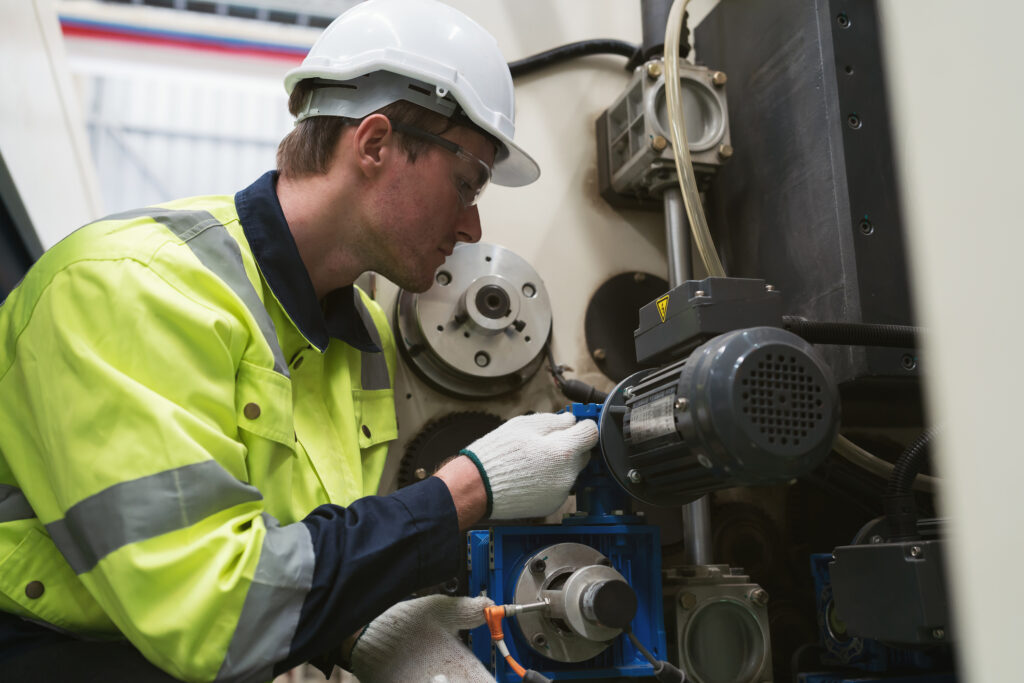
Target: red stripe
x: 181, y: 43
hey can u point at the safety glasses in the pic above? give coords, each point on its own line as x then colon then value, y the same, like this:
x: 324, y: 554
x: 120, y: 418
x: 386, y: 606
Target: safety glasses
x: 470, y: 174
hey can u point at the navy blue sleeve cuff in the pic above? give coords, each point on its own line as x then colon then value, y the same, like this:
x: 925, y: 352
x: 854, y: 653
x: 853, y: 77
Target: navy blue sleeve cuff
x: 370, y: 555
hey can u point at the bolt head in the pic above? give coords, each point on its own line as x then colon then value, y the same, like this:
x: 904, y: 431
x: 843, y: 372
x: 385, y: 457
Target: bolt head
x: 759, y: 596
x: 725, y: 151
x: 938, y: 633
x: 627, y: 392
x: 687, y: 600
x: 769, y: 288
x: 635, y: 476
x: 916, y: 551
x: 719, y: 78
x: 877, y: 538
x: 420, y: 473
x: 653, y: 69
x: 699, y: 293
x: 658, y: 143
x: 682, y: 404
x: 600, y: 354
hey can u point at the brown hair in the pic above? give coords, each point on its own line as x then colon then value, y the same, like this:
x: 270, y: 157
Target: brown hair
x: 309, y: 148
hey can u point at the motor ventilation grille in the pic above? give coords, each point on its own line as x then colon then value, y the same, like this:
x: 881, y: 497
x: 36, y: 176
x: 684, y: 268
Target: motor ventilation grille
x: 782, y: 398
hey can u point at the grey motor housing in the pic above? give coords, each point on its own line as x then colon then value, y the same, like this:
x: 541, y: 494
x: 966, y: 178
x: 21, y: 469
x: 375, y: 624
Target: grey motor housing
x: 752, y: 406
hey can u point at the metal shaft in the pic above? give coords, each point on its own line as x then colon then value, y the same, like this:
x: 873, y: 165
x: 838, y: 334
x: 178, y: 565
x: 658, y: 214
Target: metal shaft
x: 696, y: 515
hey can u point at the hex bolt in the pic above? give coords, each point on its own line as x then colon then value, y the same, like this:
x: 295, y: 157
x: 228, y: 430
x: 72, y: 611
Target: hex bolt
x: 769, y: 288
x: 725, y: 151
x: 682, y: 404
x: 635, y: 476
x: 938, y: 633
x: 699, y: 294
x: 719, y: 78
x: 627, y: 392
x: 759, y: 597
x: 519, y: 325
x: 420, y: 473
x: 538, y: 566
x: 916, y: 551
x: 599, y: 354
x: 658, y: 143
x: 653, y: 69
x: 687, y: 600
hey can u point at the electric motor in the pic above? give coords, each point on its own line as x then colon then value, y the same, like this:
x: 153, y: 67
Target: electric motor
x: 752, y: 406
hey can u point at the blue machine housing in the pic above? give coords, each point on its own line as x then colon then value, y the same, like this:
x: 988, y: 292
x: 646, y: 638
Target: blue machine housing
x: 497, y: 557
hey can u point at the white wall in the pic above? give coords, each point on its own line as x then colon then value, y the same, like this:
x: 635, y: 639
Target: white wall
x: 958, y: 105
x: 42, y: 140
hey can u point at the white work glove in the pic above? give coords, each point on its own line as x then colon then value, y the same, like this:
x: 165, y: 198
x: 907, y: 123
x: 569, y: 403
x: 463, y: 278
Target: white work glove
x: 416, y: 641
x: 530, y: 463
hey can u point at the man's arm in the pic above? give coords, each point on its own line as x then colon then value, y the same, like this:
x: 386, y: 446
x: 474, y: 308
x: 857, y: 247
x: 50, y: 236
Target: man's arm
x: 467, y: 488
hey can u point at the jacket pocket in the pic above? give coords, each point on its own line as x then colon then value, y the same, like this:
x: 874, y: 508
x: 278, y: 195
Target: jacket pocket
x: 36, y: 577
x: 263, y: 404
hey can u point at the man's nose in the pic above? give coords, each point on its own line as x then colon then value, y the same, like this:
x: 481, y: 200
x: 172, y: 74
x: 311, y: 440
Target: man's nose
x: 468, y: 229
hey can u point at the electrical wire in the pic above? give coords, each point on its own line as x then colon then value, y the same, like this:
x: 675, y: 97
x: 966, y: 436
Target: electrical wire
x: 681, y: 147
x: 882, y: 468
x: 582, y: 48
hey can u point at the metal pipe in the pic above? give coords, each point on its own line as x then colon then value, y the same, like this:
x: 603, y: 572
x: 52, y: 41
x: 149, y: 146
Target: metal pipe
x: 677, y: 237
x: 653, y: 18
x: 696, y: 515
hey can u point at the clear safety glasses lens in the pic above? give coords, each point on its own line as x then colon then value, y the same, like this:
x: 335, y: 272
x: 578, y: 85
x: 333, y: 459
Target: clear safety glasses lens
x: 471, y: 177
x: 470, y: 173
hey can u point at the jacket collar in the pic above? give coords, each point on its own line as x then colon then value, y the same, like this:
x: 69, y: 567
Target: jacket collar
x: 341, y: 315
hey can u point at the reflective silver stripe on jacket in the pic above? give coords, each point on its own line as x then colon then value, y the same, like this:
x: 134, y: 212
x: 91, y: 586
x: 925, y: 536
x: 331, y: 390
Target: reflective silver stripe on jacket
x: 218, y: 251
x: 374, y: 374
x: 143, y: 508
x: 14, y: 505
x: 270, y: 615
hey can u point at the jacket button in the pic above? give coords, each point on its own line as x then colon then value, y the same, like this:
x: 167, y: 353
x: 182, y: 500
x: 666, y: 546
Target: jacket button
x: 366, y: 431
x: 251, y: 411
x: 34, y: 589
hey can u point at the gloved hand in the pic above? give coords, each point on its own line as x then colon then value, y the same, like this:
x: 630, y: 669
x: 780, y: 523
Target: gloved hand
x: 416, y: 640
x: 529, y: 463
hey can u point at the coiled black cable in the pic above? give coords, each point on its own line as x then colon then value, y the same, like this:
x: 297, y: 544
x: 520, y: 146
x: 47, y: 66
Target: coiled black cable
x: 853, y: 334
x: 900, y: 507
x: 583, y: 48
x: 909, y: 464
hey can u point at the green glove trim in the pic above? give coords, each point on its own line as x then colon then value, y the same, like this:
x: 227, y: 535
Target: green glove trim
x: 483, y: 475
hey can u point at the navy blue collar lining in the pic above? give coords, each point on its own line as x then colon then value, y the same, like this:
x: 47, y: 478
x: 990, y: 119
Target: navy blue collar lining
x: 278, y: 258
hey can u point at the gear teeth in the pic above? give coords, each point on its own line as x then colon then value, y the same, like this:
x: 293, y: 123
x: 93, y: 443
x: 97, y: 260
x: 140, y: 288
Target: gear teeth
x: 430, y: 447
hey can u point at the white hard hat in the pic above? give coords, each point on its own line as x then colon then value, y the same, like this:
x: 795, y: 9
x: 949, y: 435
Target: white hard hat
x: 423, y: 51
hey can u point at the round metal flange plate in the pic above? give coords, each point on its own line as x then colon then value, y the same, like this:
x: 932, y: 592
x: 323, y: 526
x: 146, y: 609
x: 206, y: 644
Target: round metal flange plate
x: 480, y: 330
x: 547, y: 638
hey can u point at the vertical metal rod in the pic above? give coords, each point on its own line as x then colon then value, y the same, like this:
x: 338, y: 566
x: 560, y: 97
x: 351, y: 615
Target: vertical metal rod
x: 677, y: 237
x: 696, y: 515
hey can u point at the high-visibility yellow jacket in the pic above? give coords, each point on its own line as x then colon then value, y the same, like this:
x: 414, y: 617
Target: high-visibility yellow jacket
x: 166, y: 427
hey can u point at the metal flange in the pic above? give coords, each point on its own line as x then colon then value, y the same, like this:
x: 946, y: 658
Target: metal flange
x: 480, y: 330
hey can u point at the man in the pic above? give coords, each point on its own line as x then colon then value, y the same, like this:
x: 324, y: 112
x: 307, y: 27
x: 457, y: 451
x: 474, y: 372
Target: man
x: 192, y: 392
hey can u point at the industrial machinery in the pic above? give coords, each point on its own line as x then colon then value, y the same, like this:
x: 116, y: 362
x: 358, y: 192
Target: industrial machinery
x: 721, y: 384
x: 481, y: 330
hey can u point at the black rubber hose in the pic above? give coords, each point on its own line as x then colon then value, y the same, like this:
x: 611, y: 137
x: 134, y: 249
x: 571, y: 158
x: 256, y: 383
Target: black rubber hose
x: 583, y: 48
x: 853, y: 334
x: 900, y: 506
x: 909, y: 464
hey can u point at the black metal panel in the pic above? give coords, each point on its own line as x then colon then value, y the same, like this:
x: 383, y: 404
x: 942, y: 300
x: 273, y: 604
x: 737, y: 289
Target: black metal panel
x: 19, y: 245
x: 809, y: 200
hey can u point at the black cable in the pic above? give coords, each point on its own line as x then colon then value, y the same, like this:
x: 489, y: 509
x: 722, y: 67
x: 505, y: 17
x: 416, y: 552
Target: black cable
x: 583, y: 48
x: 909, y: 464
x: 663, y: 671
x: 575, y: 390
x: 900, y: 506
x: 853, y: 334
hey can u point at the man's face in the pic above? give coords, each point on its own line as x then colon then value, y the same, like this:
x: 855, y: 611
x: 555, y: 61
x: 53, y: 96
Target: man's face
x: 422, y: 216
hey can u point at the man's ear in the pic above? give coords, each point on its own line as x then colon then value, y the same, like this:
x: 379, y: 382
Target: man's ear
x: 373, y: 143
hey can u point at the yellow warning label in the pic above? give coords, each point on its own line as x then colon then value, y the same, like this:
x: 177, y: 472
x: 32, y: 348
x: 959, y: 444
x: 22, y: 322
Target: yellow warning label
x: 662, y: 304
